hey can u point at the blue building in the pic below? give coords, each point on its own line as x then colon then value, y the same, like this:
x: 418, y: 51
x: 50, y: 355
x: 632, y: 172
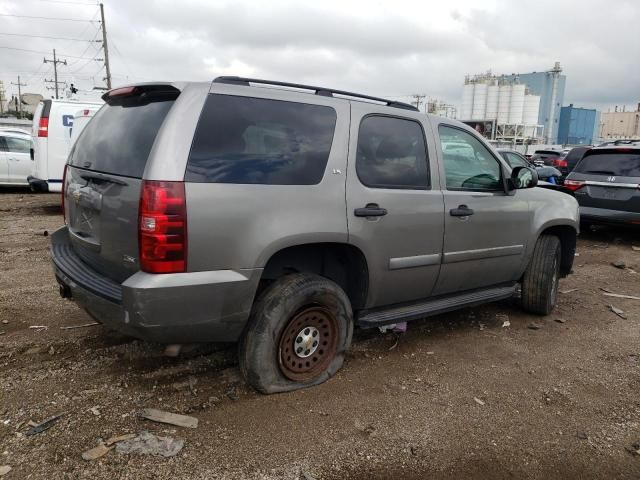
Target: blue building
x: 550, y: 86
x: 578, y: 126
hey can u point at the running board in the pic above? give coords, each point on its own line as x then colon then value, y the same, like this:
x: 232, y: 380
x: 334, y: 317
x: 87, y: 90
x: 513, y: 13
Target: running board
x: 434, y: 306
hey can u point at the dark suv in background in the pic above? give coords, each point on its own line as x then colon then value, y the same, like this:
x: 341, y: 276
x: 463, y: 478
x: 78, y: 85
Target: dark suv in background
x: 551, y: 158
x: 606, y: 183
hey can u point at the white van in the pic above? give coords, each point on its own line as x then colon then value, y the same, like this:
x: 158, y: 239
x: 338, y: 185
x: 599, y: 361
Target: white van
x: 52, y: 128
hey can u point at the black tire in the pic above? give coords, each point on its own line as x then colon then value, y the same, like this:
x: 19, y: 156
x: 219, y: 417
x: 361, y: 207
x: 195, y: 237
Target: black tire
x: 540, y: 281
x: 296, y: 303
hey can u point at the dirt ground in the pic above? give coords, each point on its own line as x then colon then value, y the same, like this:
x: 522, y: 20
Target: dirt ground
x: 460, y: 395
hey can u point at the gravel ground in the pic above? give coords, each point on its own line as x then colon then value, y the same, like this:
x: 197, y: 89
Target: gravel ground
x: 457, y: 396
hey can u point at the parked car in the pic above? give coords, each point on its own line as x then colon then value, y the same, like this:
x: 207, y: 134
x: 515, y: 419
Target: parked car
x: 575, y: 155
x: 15, y: 159
x: 606, y: 183
x: 551, y: 158
x: 52, y: 126
x: 282, y: 217
x: 516, y: 159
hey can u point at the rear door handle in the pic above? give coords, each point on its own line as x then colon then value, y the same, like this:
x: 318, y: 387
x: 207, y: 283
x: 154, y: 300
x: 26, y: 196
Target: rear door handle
x: 461, y: 211
x: 370, y: 210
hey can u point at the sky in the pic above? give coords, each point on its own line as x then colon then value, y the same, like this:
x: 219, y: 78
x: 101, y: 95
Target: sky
x: 385, y: 48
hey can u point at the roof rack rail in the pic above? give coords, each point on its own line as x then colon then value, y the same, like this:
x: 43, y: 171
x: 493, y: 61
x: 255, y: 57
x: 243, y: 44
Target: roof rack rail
x: 325, y: 92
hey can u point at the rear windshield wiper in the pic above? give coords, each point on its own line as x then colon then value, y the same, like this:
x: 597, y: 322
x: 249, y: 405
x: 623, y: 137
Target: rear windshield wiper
x: 101, y: 177
x: 605, y: 172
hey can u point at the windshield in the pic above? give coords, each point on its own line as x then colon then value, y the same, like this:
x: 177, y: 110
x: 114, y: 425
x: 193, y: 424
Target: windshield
x: 622, y: 164
x: 119, y: 137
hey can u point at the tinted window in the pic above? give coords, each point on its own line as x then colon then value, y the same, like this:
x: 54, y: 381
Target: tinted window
x: 3, y: 144
x: 391, y: 153
x: 515, y: 160
x: 259, y: 141
x: 119, y: 137
x: 621, y: 164
x: 468, y: 164
x: 18, y: 145
x: 575, y: 155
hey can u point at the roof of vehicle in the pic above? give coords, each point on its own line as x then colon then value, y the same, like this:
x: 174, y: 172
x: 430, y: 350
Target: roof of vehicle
x: 616, y: 148
x: 548, y: 151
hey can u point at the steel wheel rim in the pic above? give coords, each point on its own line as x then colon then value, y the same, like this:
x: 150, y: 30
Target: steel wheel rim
x: 308, y: 363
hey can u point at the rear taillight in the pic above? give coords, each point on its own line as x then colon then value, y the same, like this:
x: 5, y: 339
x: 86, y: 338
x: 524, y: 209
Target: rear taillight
x: 556, y: 162
x: 43, y: 127
x: 574, y: 185
x: 64, y: 191
x: 162, y: 227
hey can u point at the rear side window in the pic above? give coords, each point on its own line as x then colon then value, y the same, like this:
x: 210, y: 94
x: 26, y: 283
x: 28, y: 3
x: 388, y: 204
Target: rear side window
x: 622, y: 164
x: 120, y: 136
x: 259, y: 141
x: 18, y: 145
x: 391, y: 153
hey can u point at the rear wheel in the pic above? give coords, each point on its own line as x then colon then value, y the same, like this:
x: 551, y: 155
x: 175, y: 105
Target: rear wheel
x: 298, y: 334
x: 540, y: 281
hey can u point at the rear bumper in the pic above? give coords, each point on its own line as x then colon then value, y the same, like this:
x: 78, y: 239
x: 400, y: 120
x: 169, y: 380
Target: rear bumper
x: 37, y: 185
x: 604, y: 215
x: 165, y: 308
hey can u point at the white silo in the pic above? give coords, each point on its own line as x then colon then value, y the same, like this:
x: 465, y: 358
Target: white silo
x: 467, y: 101
x: 492, y: 102
x: 531, y: 109
x: 479, y: 102
x: 504, y: 99
x: 516, y: 106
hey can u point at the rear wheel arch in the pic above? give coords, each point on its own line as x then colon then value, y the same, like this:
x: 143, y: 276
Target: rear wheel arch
x: 341, y: 263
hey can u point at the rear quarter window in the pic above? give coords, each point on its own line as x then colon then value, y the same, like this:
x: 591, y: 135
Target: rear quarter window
x: 249, y: 140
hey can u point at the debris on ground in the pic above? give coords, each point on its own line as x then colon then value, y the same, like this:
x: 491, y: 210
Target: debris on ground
x: 617, y: 311
x: 619, y: 264
x: 119, y: 438
x: 560, y: 320
x: 5, y: 322
x: 306, y: 476
x: 42, y: 426
x: 635, y: 249
x: 96, y: 452
x: 84, y: 325
x: 635, y: 449
x: 170, y: 418
x: 38, y: 327
x: 571, y: 290
x: 4, y: 469
x: 231, y: 393
x: 582, y: 435
x: 618, y: 295
x: 534, y: 326
x: 478, y: 401
x: 394, y: 327
x: 149, y: 444
x: 506, y: 323
x: 95, y: 411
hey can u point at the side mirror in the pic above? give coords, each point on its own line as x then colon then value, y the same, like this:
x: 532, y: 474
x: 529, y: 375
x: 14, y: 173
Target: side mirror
x: 522, y: 177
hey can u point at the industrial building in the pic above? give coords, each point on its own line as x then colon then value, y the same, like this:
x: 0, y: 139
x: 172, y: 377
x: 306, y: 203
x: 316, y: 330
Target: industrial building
x: 516, y: 107
x: 620, y: 123
x: 578, y: 126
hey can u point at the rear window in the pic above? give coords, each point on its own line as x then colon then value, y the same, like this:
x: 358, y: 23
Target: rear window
x: 622, y: 164
x: 119, y: 138
x: 258, y: 141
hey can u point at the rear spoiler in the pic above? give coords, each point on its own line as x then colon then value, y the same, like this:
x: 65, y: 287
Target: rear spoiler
x: 142, y: 92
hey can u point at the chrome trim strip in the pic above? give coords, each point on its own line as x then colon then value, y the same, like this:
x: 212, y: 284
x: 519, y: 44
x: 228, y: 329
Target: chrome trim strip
x: 610, y: 184
x: 481, y: 253
x: 415, y: 261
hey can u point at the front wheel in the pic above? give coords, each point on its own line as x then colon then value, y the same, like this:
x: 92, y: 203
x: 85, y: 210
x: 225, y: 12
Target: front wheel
x: 540, y: 281
x: 297, y: 335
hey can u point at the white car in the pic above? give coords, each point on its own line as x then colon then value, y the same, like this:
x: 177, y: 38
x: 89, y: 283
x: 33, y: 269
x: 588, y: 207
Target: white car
x: 53, y: 123
x: 15, y: 157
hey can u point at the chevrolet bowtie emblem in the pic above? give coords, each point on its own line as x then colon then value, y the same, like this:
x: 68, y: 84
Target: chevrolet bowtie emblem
x: 76, y: 196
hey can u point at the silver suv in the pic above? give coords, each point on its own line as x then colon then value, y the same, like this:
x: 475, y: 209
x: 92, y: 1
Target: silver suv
x: 281, y: 215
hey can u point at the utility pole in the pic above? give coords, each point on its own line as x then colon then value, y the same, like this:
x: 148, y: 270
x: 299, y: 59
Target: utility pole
x: 418, y: 99
x: 2, y: 97
x: 19, y: 93
x: 105, y: 48
x: 55, y: 62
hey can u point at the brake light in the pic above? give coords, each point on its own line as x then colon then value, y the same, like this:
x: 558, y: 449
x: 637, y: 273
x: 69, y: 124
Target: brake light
x: 64, y: 192
x: 122, y: 92
x: 574, y: 185
x: 43, y: 127
x: 556, y: 162
x: 162, y: 227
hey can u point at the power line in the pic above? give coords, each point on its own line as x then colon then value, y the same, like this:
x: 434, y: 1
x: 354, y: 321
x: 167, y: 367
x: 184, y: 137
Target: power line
x: 45, y: 18
x: 51, y: 38
x: 73, y: 3
x: 55, y: 62
x: 39, y: 51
